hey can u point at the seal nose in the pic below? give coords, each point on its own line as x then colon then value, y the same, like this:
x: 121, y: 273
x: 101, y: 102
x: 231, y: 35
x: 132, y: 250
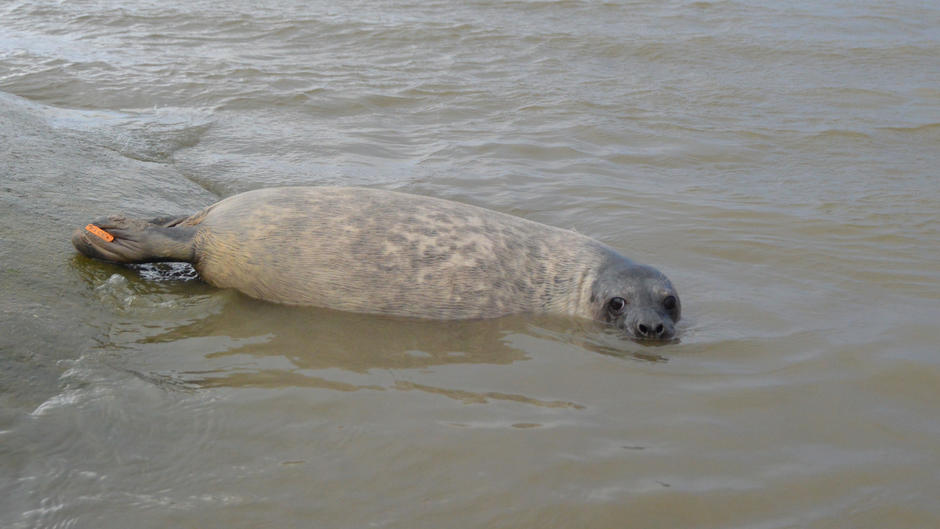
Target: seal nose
x: 650, y: 330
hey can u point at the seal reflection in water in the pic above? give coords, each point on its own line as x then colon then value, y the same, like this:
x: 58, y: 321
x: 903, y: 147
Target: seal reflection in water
x: 383, y: 252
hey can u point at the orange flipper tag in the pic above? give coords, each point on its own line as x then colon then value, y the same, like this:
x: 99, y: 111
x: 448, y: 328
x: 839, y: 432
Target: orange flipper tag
x: 98, y: 232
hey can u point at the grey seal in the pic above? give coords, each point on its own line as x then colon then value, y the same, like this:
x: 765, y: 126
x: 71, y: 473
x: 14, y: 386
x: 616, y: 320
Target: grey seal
x: 384, y: 252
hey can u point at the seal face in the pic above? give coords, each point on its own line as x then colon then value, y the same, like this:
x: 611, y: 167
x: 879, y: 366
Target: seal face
x: 383, y: 252
x: 638, y: 299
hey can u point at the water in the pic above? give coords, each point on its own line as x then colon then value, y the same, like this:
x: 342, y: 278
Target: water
x: 778, y: 162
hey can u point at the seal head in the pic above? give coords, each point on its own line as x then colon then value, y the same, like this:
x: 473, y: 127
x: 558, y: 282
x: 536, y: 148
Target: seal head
x: 636, y: 298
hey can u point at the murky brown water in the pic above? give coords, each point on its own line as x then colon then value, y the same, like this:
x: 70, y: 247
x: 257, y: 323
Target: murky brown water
x: 779, y: 163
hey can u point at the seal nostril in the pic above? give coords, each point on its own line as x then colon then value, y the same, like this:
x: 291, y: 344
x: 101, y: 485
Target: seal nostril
x: 643, y: 329
x: 659, y: 329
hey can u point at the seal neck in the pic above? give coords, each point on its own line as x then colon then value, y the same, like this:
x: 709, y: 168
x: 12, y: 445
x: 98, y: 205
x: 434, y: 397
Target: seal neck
x: 574, y: 282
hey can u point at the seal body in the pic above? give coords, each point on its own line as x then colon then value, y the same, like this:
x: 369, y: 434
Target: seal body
x: 383, y: 252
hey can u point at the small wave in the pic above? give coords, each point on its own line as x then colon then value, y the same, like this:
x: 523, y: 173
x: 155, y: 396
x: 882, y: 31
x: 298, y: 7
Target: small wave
x: 167, y: 272
x: 841, y: 134
x: 148, y: 137
x: 61, y: 400
x: 145, y: 136
x: 925, y: 129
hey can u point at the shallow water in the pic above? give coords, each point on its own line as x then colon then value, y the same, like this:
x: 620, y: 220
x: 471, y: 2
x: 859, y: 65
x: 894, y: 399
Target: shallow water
x: 779, y: 163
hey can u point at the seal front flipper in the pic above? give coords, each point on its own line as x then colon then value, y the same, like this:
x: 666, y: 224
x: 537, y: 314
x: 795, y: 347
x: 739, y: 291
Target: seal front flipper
x: 120, y: 239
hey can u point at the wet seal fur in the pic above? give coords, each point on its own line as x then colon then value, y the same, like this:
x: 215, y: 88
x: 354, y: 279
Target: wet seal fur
x: 384, y: 252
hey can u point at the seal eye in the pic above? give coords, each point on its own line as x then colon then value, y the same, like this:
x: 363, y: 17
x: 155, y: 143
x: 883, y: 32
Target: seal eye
x: 669, y: 303
x: 617, y: 304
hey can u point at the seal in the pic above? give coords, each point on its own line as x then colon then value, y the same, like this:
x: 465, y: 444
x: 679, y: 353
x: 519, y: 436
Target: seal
x: 384, y: 252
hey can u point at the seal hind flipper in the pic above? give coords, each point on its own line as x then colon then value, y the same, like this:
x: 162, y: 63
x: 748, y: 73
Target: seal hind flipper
x: 136, y: 240
x: 169, y: 221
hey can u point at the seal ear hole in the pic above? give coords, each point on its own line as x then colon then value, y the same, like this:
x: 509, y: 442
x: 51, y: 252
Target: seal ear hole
x: 616, y: 305
x: 669, y: 303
